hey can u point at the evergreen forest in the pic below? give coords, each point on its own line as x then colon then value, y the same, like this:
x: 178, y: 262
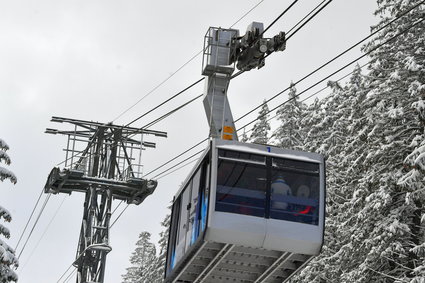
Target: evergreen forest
x: 370, y: 128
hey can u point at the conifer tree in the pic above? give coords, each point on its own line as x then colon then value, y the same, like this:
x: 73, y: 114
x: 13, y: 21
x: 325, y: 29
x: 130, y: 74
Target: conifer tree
x: 143, y: 255
x: 374, y: 229
x: 244, y: 137
x: 159, y: 264
x: 8, y: 260
x: 288, y: 134
x: 260, y: 131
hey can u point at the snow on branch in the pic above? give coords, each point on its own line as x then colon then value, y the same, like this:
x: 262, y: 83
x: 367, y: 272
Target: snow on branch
x: 4, y: 157
x: 7, y: 174
x: 5, y: 214
x: 4, y: 231
x: 7, y: 254
x: 3, y: 145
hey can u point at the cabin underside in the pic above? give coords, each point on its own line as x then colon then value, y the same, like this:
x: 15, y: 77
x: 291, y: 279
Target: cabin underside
x: 218, y: 263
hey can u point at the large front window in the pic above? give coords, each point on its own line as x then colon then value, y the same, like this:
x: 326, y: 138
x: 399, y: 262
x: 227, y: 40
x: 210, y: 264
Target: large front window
x: 295, y: 191
x: 241, y: 188
x: 268, y: 187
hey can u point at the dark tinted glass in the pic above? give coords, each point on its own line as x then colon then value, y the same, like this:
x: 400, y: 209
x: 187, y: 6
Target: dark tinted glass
x: 296, y: 165
x: 295, y: 191
x: 241, y: 188
x: 243, y: 156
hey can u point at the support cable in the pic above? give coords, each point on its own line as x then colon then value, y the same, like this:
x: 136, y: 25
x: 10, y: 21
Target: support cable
x: 317, y: 92
x: 166, y: 101
x: 29, y: 219
x: 300, y: 21
x: 305, y: 17
x: 193, y: 84
x: 309, y: 19
x: 181, y: 67
x: 246, y: 14
x: 332, y: 60
x: 340, y: 69
x: 327, y: 77
x: 278, y: 18
x: 35, y: 224
x: 378, y: 46
x: 311, y: 95
x: 177, y: 156
x: 270, y: 25
x: 44, y: 232
x: 70, y: 276
x: 157, y: 120
x: 198, y: 81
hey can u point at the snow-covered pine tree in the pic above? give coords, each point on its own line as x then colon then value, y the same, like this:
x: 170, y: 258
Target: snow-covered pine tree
x: 159, y: 266
x: 288, y: 134
x: 141, y: 259
x: 244, y: 137
x: 375, y: 230
x: 260, y: 130
x: 8, y: 260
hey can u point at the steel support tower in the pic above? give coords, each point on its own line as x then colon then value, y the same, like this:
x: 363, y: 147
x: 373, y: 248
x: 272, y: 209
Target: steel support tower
x: 103, y: 161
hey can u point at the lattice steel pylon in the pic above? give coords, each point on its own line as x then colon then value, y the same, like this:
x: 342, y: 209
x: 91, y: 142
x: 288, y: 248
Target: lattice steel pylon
x: 105, y: 169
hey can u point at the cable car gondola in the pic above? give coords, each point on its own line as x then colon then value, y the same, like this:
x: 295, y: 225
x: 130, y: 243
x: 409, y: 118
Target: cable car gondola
x: 247, y: 213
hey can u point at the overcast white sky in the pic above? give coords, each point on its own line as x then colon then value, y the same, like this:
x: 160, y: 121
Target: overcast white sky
x: 93, y: 59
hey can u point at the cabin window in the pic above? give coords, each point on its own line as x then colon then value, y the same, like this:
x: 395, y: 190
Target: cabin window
x: 193, y: 223
x: 189, y: 214
x: 269, y: 187
x: 295, y: 191
x: 181, y: 233
x: 171, y: 254
x: 241, y: 188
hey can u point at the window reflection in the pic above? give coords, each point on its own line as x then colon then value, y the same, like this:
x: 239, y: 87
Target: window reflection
x: 295, y: 191
x: 241, y: 188
x: 242, y: 185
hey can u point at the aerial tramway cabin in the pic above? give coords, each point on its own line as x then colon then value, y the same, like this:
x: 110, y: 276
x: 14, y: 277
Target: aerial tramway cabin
x: 247, y: 213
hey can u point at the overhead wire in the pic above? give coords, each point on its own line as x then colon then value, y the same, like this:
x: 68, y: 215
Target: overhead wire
x: 157, y: 86
x: 299, y: 22
x: 373, y: 49
x: 160, y: 176
x: 270, y: 25
x: 315, y: 84
x: 306, y: 16
x: 177, y: 94
x: 246, y: 14
x: 342, y: 68
x: 29, y: 219
x: 312, y: 95
x: 276, y: 108
x: 309, y: 19
x: 169, y: 113
x: 156, y: 107
x: 35, y: 224
x: 280, y: 16
x: 70, y: 276
x: 175, y: 72
x: 332, y: 60
x: 42, y: 235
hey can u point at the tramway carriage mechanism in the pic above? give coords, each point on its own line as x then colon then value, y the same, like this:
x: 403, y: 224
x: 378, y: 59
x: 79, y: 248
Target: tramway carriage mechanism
x: 246, y: 212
